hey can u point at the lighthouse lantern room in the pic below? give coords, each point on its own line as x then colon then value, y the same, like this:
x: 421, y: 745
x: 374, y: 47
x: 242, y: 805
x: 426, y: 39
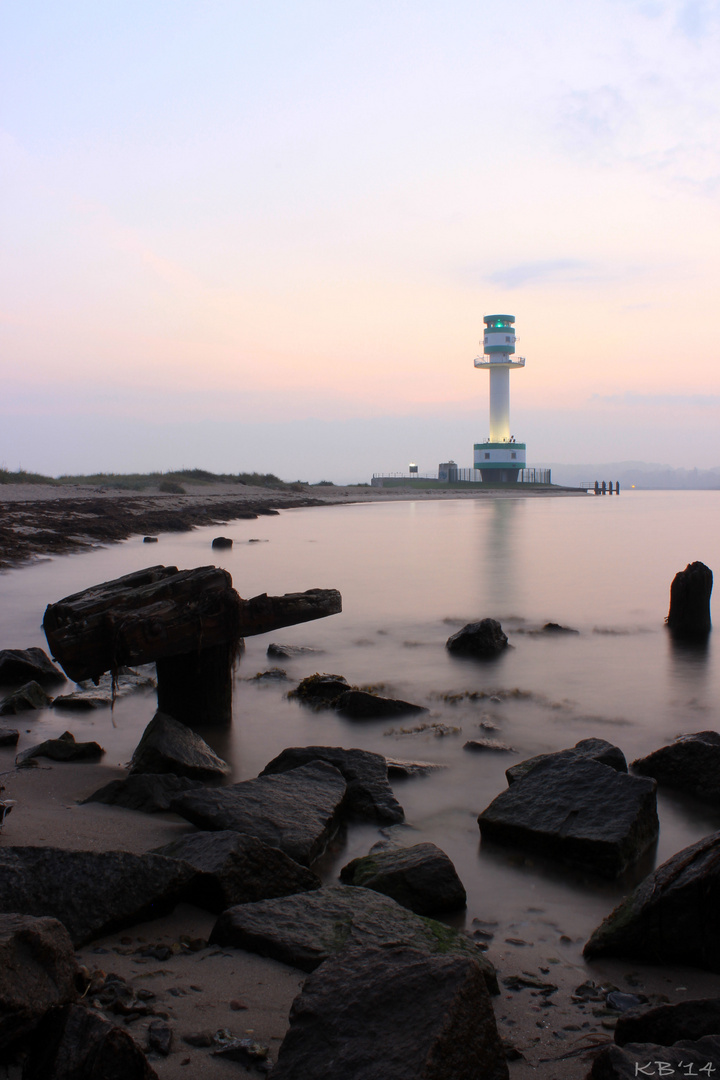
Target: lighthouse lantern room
x: 500, y: 458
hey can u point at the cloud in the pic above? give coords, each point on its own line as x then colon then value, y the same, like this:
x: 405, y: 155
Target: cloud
x: 692, y: 401
x: 695, y: 19
x: 514, y: 277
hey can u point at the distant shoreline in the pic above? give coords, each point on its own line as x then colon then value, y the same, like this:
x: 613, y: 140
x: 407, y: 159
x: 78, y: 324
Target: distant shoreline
x: 38, y: 520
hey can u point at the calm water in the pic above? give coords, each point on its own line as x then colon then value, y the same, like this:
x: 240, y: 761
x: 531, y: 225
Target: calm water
x: 410, y: 575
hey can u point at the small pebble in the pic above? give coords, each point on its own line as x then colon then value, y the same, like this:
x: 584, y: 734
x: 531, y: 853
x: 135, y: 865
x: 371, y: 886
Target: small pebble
x: 238, y: 1006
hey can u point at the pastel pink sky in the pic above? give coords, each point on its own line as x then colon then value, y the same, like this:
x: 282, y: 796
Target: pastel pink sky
x: 230, y: 229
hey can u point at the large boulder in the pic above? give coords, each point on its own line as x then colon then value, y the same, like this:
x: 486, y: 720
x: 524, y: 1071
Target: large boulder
x: 672, y: 917
x: 595, y: 749
x: 297, y: 811
x: 64, y: 748
x: 691, y: 764
x: 37, y: 971
x: 574, y: 809
x: 689, y: 615
x: 369, y: 796
x: 305, y: 929
x: 647, y: 1059
x: 148, y: 792
x: 77, y: 1043
x: 360, y: 705
x: 167, y: 746
x: 668, y: 1024
x: 29, y: 697
x: 421, y: 878
x: 236, y: 869
x: 18, y: 666
x: 393, y: 1013
x: 483, y: 639
x: 92, y: 893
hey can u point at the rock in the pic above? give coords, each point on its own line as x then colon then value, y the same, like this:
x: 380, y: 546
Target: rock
x: 297, y: 812
x: 393, y: 1013
x: 274, y: 674
x: 369, y: 796
x: 305, y: 929
x: 30, y: 696
x: 90, y: 696
x: 91, y: 892
x: 9, y: 736
x: 37, y: 971
x: 167, y: 746
x: 64, y: 748
x: 421, y: 878
x: 160, y: 1037
x: 76, y: 1043
x: 222, y: 542
x: 574, y: 809
x: 623, y: 1003
x: 689, y: 615
x: 691, y: 764
x: 406, y: 769
x: 672, y: 917
x: 18, y: 666
x: 556, y: 628
x: 149, y: 792
x: 359, y: 705
x: 668, y: 1024
x: 489, y: 745
x: 150, y: 539
x: 320, y: 691
x: 482, y: 640
x: 236, y: 869
x: 248, y: 1052
x: 287, y: 652
x: 595, y: 749
x: 684, y: 1059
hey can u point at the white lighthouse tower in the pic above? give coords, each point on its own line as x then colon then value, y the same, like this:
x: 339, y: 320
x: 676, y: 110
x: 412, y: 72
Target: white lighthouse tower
x: 500, y: 459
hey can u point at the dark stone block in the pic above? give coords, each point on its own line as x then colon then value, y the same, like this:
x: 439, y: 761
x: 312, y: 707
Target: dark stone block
x: 18, y: 666
x: 369, y: 796
x: 595, y: 749
x: 574, y: 809
x: 691, y: 764
x: 482, y: 639
x: 393, y: 1013
x: 421, y: 878
x: 305, y: 929
x: 167, y: 746
x: 235, y: 869
x: 672, y: 917
x: 297, y: 811
x: 91, y: 892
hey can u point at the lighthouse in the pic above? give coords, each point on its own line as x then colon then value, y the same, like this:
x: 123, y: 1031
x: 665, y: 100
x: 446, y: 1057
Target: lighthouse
x: 500, y: 459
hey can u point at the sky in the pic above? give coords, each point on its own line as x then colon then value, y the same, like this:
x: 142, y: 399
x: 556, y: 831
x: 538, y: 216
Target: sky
x: 262, y: 236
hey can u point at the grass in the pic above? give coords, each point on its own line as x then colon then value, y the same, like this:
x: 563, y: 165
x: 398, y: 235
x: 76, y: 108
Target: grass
x: 167, y: 481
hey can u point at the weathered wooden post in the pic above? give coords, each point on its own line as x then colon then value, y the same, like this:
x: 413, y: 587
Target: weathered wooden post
x: 689, y: 615
x: 189, y: 622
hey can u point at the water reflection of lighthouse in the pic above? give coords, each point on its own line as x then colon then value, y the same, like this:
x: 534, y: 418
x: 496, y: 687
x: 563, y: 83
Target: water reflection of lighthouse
x: 500, y: 458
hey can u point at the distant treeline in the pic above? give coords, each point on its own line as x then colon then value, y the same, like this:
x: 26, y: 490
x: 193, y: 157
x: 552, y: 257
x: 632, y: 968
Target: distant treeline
x: 641, y: 475
x: 165, y: 481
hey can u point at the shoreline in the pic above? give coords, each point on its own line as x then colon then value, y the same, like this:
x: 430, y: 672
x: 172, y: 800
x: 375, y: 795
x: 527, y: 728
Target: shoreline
x: 38, y: 520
